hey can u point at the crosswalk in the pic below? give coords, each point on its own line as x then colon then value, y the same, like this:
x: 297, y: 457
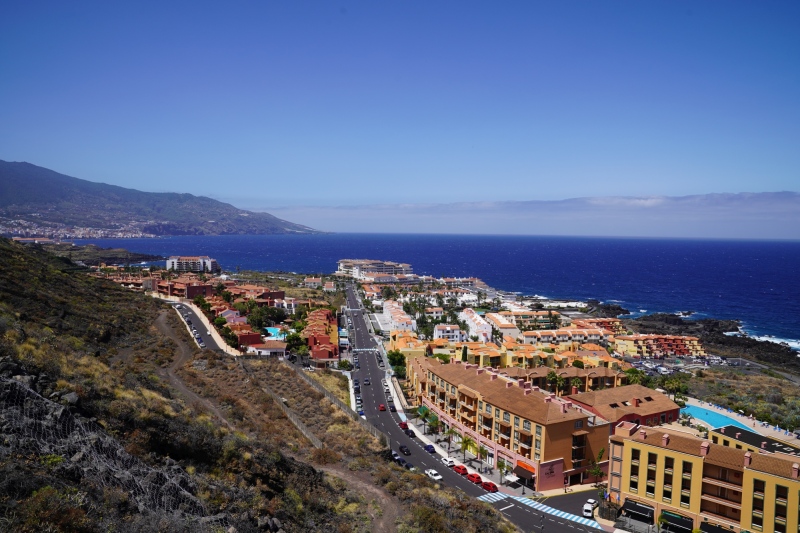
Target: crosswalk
x: 498, y: 496
x: 491, y: 497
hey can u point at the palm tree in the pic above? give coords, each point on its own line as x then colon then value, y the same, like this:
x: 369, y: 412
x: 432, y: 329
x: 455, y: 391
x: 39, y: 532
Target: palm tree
x: 449, y: 434
x: 560, y: 382
x: 552, y: 377
x: 577, y: 383
x: 467, y: 442
x: 424, y: 416
x: 482, y: 452
x: 434, y: 425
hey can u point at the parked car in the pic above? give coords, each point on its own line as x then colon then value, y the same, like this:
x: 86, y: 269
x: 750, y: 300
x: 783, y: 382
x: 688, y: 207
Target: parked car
x: 448, y: 462
x: 488, y: 485
x: 410, y: 467
x: 588, y: 510
x: 392, y: 408
x: 592, y: 502
x: 400, y: 461
x: 474, y: 478
x: 404, y: 450
x: 410, y: 433
x: 381, y: 407
x: 429, y: 448
x: 433, y: 474
x: 403, y: 425
x: 460, y: 469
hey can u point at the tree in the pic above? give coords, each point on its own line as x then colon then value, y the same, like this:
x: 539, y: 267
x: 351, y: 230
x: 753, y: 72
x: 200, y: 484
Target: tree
x: 635, y: 376
x: 501, y: 466
x: 424, y: 417
x: 434, y: 425
x: 594, y: 469
x: 577, y: 363
x: 482, y: 452
x: 577, y: 383
x: 552, y: 377
x: 294, y: 341
x: 464, y: 353
x: 344, y: 364
x: 449, y: 434
x: 467, y: 442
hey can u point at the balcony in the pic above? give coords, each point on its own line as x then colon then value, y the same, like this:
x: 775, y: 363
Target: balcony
x: 721, y: 501
x: 524, y: 444
x: 728, y: 519
x: 722, y: 483
x: 467, y: 406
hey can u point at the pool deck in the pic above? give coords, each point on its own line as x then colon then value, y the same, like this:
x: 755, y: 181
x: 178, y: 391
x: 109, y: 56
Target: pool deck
x: 742, y: 419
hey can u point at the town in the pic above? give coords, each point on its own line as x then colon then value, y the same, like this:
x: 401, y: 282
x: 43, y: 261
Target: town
x: 543, y: 399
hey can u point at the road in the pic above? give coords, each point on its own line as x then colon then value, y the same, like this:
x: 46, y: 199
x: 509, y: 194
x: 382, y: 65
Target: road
x: 367, y: 348
x: 188, y: 315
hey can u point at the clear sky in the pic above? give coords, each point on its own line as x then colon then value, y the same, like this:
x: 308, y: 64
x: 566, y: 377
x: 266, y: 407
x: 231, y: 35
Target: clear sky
x: 266, y: 104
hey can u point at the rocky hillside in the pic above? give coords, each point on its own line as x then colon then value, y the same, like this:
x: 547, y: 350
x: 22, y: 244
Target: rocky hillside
x: 44, y: 197
x: 111, y: 420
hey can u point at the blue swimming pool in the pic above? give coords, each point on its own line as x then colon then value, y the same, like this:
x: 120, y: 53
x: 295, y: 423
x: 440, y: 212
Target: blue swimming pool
x: 713, y: 418
x: 276, y: 334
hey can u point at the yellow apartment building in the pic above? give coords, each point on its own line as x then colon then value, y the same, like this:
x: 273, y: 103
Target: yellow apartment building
x: 695, y: 484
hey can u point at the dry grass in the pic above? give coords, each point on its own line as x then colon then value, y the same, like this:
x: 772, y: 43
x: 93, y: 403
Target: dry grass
x: 334, y: 382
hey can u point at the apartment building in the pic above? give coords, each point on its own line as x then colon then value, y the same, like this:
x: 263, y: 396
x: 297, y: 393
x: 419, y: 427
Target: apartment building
x: 564, y: 338
x: 201, y: 263
x: 658, y: 346
x: 612, y: 325
x: 357, y: 268
x: 395, y: 318
x: 631, y: 403
x: 435, y: 313
x: 449, y: 332
x: 502, y: 324
x: 476, y: 325
x: 695, y: 484
x: 548, y: 441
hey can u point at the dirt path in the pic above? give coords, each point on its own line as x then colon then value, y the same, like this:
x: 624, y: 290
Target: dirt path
x: 182, y: 356
x: 390, y: 507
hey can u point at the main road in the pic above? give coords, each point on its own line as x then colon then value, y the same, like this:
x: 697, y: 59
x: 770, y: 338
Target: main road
x: 367, y: 348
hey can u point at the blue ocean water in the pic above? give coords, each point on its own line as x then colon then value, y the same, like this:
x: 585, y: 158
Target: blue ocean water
x: 757, y: 282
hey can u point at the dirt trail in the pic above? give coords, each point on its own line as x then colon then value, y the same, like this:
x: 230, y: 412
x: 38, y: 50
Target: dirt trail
x: 390, y: 508
x: 182, y: 356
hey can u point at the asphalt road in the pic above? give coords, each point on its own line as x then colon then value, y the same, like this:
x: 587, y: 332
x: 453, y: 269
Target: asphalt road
x: 521, y: 515
x: 208, y: 340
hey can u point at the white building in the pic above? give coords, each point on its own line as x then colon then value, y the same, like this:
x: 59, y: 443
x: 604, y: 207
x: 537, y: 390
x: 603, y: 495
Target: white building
x: 201, y: 263
x: 477, y: 326
x: 395, y: 318
x: 450, y: 332
x: 358, y: 268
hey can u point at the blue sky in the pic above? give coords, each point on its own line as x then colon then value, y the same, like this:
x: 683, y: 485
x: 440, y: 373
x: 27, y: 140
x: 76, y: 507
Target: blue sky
x: 276, y: 104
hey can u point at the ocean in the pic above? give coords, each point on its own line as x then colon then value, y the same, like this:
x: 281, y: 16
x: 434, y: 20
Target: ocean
x: 757, y: 282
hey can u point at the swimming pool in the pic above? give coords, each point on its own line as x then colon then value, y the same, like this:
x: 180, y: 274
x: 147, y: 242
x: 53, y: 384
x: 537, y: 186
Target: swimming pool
x: 276, y: 334
x: 713, y: 418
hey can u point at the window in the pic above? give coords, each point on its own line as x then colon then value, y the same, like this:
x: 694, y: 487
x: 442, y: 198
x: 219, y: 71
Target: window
x: 516, y: 421
x: 726, y: 443
x: 669, y: 463
x: 635, y: 454
x: 651, y: 459
x: 667, y: 494
x: 687, y: 467
x: 757, y: 522
x: 526, y: 425
x: 497, y: 412
x: 634, y: 484
x: 781, y: 492
x: 480, y: 405
x: 538, y: 444
x: 488, y: 408
x: 685, y: 499
x: 578, y: 424
x: 758, y: 505
x: 538, y: 431
x: 715, y: 439
x: 506, y: 416
x: 516, y: 435
x: 758, y: 486
x: 497, y: 426
x: 536, y: 457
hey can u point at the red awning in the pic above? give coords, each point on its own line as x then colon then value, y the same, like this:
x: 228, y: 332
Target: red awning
x: 526, y: 466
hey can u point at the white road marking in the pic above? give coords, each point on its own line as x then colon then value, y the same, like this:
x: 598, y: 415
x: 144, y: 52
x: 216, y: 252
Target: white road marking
x: 508, y: 507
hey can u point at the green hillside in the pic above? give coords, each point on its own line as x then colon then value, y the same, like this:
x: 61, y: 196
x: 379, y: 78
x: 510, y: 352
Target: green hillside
x: 33, y: 193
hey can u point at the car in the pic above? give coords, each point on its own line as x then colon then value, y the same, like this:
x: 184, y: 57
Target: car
x: 410, y: 433
x: 392, y: 408
x: 381, y: 407
x: 202, y: 344
x: 433, y: 474
x: 404, y: 450
x: 592, y: 502
x: 403, y: 425
x: 474, y: 478
x: 395, y: 455
x: 448, y: 462
x: 208, y: 332
x: 356, y: 388
x: 429, y: 448
x: 410, y: 467
x: 366, y: 381
x: 400, y: 461
x: 361, y: 413
x: 489, y: 486
x: 460, y: 470
x: 588, y: 510
x: 358, y: 367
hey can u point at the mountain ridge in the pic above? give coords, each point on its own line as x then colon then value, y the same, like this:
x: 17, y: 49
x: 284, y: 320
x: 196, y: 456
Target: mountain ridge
x: 36, y: 194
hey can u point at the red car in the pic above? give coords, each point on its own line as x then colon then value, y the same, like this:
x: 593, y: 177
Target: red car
x: 381, y: 407
x: 460, y: 469
x: 475, y: 478
x: 403, y: 425
x: 488, y: 485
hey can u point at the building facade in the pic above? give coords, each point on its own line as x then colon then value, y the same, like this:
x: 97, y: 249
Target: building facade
x: 201, y: 263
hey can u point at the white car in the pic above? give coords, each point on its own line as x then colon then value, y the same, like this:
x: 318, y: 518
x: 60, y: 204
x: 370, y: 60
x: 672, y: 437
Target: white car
x: 588, y: 510
x: 448, y: 462
x: 433, y: 474
x: 591, y: 502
